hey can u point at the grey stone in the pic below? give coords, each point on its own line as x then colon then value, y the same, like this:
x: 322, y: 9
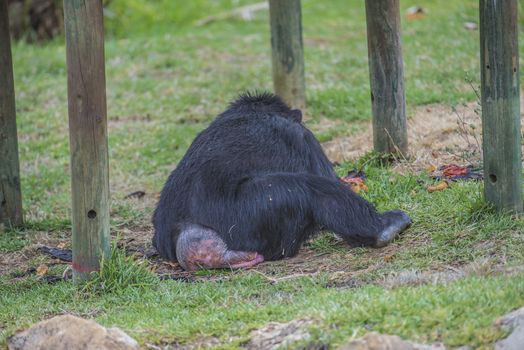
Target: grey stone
x: 71, y: 332
x: 513, y: 322
x: 275, y: 335
x: 377, y: 341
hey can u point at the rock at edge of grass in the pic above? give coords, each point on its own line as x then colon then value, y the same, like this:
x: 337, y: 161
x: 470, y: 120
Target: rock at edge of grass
x: 513, y: 322
x: 71, y: 332
x: 377, y: 341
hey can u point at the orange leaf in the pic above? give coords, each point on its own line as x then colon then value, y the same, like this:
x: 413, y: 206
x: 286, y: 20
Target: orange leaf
x: 454, y: 170
x: 389, y: 258
x: 415, y: 12
x: 356, y: 184
x: 359, y: 187
x: 42, y: 270
x: 431, y: 168
x: 440, y: 187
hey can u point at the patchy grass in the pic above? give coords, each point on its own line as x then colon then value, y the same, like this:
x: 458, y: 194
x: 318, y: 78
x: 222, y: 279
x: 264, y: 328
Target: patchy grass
x: 12, y: 241
x: 343, y: 290
x: 166, y: 79
x: 458, y: 313
x: 119, y: 273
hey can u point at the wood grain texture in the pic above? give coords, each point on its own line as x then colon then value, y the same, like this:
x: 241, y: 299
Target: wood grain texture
x: 288, y: 51
x: 88, y: 133
x: 386, y: 75
x: 501, y: 129
x: 10, y: 194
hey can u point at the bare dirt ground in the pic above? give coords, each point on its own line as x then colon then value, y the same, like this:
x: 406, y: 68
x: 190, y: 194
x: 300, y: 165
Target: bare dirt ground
x: 344, y: 264
x: 438, y: 135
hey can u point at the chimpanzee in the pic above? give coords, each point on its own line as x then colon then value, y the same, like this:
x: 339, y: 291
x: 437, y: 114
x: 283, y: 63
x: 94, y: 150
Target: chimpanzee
x: 254, y: 186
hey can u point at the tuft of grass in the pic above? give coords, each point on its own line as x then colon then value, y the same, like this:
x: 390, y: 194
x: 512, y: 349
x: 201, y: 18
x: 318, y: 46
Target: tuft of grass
x: 118, y: 273
x: 327, y: 243
x: 12, y: 240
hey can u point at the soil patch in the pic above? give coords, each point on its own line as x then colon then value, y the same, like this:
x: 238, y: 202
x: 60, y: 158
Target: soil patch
x: 437, y: 134
x: 30, y: 256
x: 347, y: 267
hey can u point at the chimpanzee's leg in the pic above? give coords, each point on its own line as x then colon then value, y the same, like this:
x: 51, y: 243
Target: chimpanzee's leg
x: 340, y: 210
x: 357, y: 209
x: 328, y: 203
x: 200, y: 247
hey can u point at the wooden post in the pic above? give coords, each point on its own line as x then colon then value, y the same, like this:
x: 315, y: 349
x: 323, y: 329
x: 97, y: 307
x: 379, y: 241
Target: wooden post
x: 499, y: 59
x: 288, y: 51
x: 10, y: 194
x: 86, y: 88
x: 386, y: 76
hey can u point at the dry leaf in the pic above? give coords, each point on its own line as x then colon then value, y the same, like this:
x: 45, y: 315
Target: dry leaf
x: 172, y: 264
x: 355, y: 180
x: 415, y: 12
x: 356, y: 184
x: 454, y: 170
x: 136, y: 194
x: 389, y: 258
x: 61, y: 245
x: 440, y: 187
x: 42, y: 270
x: 470, y: 25
x: 360, y: 187
x: 431, y: 168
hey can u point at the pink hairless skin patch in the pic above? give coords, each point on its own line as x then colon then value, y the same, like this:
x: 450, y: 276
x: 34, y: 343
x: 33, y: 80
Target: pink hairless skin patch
x: 200, y: 248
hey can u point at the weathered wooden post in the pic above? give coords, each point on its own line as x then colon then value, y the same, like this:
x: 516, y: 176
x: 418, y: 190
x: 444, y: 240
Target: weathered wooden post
x: 10, y: 196
x: 86, y: 88
x: 499, y: 59
x: 288, y: 51
x: 386, y: 74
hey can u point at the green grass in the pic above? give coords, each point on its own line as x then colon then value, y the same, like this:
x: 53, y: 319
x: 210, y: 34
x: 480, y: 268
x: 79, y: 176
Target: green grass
x: 166, y: 79
x: 119, y: 273
x: 12, y: 241
x: 451, y: 229
x: 458, y: 313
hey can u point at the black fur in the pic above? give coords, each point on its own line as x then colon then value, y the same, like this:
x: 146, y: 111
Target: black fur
x: 260, y: 179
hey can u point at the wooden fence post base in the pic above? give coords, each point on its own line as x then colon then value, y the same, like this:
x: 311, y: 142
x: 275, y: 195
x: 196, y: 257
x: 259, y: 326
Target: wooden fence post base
x: 10, y: 193
x: 88, y: 134
x: 499, y: 59
x: 386, y: 76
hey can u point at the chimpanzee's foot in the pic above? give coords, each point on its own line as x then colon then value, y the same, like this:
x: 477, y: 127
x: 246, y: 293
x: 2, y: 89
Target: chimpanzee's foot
x: 202, y: 248
x: 395, y: 221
